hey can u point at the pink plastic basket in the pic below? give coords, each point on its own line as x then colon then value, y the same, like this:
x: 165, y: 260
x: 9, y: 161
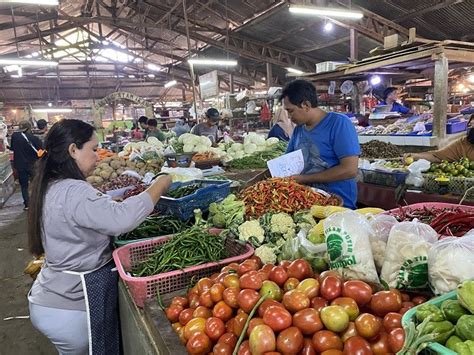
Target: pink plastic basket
x: 142, y: 288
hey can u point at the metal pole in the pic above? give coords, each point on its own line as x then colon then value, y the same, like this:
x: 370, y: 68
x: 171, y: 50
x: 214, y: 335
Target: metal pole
x: 354, y: 44
x: 191, y: 68
x: 440, y: 105
x: 269, y: 74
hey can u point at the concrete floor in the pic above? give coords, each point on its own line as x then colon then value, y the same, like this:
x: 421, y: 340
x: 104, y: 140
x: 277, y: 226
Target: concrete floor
x: 17, y: 336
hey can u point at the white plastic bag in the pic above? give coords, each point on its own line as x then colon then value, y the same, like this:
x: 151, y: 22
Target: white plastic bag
x: 415, y: 169
x: 382, y: 225
x: 347, y: 238
x: 450, y: 262
x: 406, y: 258
x: 183, y: 174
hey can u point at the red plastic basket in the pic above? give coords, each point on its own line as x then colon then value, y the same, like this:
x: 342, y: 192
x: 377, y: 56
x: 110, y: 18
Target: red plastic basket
x: 142, y: 288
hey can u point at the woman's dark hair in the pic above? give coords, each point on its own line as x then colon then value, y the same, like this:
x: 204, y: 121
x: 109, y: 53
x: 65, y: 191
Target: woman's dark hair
x: 55, y: 164
x: 152, y: 122
x: 388, y: 91
x: 299, y: 91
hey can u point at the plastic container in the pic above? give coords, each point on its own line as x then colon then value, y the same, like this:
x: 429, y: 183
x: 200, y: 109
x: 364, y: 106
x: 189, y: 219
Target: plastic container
x: 396, y: 211
x: 433, y: 348
x: 142, y: 288
x: 212, y: 191
x: 179, y: 160
x: 384, y: 178
x: 454, y: 126
x: 456, y: 185
x: 207, y: 164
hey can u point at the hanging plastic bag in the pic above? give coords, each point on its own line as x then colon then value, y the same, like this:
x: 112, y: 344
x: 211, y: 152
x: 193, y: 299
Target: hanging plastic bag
x: 265, y: 114
x: 450, y: 262
x: 415, y: 169
x: 299, y: 247
x: 406, y: 258
x: 382, y: 225
x: 347, y: 239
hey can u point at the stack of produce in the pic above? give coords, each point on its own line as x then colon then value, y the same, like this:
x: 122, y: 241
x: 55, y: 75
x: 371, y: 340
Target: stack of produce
x: 282, y: 195
x: 191, y: 247
x: 461, y: 168
x: 248, y: 308
x: 377, y: 149
x: 258, y: 160
x: 119, y: 183
x: 450, y: 324
x: 133, y: 149
x: 105, y: 153
x: 111, y: 167
x: 138, y: 189
x: 156, y: 225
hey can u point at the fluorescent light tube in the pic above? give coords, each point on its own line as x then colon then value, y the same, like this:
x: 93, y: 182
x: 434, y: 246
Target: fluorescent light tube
x: 34, y: 2
x: 26, y: 62
x: 326, y: 11
x: 212, y: 62
x: 170, y: 83
x: 294, y: 71
x: 52, y: 110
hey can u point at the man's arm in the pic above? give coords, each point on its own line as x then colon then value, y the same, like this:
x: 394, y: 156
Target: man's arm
x: 427, y: 156
x: 347, y: 169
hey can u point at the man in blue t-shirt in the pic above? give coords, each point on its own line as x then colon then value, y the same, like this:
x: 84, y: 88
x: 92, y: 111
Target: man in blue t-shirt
x: 328, y: 141
x: 390, y: 97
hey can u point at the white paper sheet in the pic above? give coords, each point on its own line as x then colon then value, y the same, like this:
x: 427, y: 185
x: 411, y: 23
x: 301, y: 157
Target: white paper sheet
x: 287, y: 165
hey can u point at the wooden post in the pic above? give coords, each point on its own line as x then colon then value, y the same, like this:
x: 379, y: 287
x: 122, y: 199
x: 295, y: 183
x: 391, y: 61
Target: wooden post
x: 231, y: 83
x: 440, y: 106
x: 269, y: 74
x: 354, y: 44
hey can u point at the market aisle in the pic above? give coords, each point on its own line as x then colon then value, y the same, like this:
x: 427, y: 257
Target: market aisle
x: 17, y: 336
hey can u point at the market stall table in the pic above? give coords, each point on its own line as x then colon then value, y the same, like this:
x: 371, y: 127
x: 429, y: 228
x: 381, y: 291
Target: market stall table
x: 384, y: 197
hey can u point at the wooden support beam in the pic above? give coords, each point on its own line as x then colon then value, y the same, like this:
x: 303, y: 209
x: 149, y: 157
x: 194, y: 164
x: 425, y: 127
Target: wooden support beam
x: 440, y: 106
x: 354, y: 43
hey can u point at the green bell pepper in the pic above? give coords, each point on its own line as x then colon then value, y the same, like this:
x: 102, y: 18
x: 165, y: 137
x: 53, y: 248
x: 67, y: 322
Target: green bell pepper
x: 462, y: 349
x: 452, y: 310
x: 427, y: 309
x: 466, y: 295
x: 465, y: 327
x: 443, y: 330
x: 453, y: 340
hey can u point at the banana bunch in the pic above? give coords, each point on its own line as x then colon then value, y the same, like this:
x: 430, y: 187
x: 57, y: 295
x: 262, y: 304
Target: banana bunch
x: 321, y: 212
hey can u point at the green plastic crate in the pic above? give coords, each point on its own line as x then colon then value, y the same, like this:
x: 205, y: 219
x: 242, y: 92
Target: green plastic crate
x: 433, y: 348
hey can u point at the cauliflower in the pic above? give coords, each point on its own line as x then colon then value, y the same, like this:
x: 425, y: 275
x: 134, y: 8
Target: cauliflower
x: 270, y: 142
x: 205, y: 141
x: 282, y: 223
x: 250, y: 148
x: 266, y: 254
x: 188, y: 148
x: 201, y: 148
x: 186, y: 138
x: 252, y: 232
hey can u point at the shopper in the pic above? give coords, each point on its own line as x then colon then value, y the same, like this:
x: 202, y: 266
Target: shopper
x: 154, y: 131
x: 25, y: 146
x: 209, y: 127
x: 390, y: 97
x: 181, y: 127
x: 282, y: 126
x: 460, y: 148
x: 328, y: 142
x: 74, y: 298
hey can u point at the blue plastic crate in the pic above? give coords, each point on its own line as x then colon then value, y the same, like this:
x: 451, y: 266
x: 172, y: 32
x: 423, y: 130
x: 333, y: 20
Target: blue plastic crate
x: 211, y: 191
x: 454, y: 126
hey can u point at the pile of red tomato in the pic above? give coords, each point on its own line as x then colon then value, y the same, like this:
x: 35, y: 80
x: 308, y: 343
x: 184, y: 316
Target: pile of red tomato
x: 303, y: 313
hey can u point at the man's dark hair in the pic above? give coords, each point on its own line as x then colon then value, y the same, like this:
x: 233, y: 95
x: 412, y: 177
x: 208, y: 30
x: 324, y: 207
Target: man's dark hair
x: 152, y: 122
x: 41, y: 124
x: 299, y: 91
x: 388, y: 91
x: 143, y: 120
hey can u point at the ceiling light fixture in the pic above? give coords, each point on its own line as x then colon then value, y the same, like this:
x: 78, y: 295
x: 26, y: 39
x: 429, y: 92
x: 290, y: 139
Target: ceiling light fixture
x: 295, y: 71
x: 324, y: 11
x: 152, y: 66
x: 328, y: 26
x: 212, y: 62
x: 375, y: 80
x: 26, y: 62
x: 50, y: 104
x: 52, y: 110
x: 151, y: 75
x: 170, y: 83
x: 471, y: 78
x: 34, y: 2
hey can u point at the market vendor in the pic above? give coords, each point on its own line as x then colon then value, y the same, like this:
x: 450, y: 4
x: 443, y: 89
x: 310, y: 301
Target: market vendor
x: 390, y: 97
x: 154, y: 131
x: 282, y: 126
x: 460, y: 148
x: 74, y: 299
x: 209, y: 127
x: 328, y: 141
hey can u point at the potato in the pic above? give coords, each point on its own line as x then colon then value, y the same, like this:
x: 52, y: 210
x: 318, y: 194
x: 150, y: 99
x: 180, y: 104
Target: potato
x: 140, y: 165
x: 119, y: 171
x: 113, y: 175
x: 105, y: 174
x: 123, y: 162
x: 103, y: 166
x: 98, y: 180
x: 97, y: 171
x: 115, y: 164
x: 91, y: 179
x: 106, y: 160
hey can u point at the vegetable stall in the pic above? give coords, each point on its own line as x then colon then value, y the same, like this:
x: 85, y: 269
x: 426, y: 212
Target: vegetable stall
x: 238, y: 262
